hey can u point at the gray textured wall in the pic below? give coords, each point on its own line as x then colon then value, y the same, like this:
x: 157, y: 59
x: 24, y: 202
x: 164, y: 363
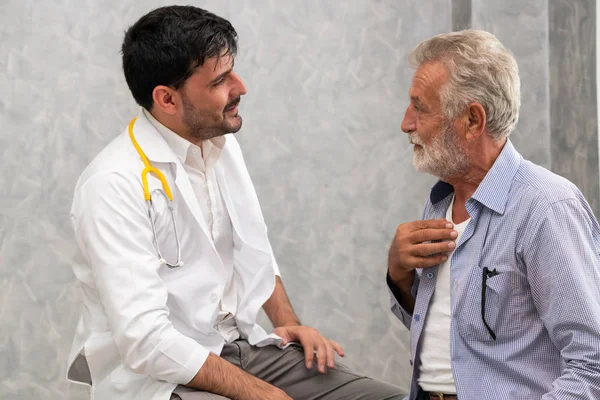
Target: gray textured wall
x: 327, y: 87
x: 573, y: 93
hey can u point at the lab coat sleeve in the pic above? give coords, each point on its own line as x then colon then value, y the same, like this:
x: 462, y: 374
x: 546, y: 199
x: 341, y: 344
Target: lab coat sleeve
x: 113, y: 231
x: 274, y: 261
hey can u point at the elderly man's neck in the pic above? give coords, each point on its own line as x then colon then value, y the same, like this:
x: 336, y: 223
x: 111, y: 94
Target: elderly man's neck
x: 483, y: 156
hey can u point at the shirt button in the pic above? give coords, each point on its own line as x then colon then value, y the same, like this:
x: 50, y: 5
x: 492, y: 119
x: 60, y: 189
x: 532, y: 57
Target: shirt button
x: 195, y: 150
x: 430, y: 275
x: 214, y: 298
x: 417, y: 317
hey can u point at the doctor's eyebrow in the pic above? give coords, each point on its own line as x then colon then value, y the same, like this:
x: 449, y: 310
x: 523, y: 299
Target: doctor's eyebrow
x: 220, y: 76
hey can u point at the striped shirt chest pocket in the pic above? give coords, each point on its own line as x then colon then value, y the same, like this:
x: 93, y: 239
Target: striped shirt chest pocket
x: 495, y: 305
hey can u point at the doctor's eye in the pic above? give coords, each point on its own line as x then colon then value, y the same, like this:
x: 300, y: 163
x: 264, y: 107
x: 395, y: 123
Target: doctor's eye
x: 219, y: 82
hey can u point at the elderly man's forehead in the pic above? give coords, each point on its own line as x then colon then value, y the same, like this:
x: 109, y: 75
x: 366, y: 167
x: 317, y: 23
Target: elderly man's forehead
x: 432, y: 73
x: 428, y: 79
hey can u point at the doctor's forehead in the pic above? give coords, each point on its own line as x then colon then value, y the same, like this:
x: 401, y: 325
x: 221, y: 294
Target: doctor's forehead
x: 219, y: 64
x: 215, y: 66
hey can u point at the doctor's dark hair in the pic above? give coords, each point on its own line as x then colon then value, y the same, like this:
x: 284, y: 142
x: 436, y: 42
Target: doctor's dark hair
x: 167, y: 44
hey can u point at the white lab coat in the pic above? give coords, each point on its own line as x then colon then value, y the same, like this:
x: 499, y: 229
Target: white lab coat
x: 145, y: 328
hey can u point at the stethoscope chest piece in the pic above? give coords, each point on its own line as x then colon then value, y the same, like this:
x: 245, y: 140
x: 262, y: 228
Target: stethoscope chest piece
x: 165, y: 192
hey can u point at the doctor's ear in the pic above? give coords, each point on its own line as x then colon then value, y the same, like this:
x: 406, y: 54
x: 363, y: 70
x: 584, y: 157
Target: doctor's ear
x: 165, y: 99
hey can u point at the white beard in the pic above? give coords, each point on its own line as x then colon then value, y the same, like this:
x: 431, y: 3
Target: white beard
x: 443, y: 157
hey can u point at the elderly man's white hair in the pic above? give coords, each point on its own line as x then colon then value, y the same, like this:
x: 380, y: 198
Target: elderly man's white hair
x: 480, y: 70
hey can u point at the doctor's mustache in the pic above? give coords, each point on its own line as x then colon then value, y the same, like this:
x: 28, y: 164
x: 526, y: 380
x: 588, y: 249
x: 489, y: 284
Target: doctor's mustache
x: 233, y: 103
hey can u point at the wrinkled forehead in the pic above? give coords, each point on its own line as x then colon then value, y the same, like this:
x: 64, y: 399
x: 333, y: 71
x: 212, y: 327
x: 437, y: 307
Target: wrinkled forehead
x: 428, y: 80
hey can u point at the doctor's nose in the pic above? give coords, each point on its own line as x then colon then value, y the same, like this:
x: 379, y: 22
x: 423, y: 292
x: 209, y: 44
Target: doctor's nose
x: 239, y: 87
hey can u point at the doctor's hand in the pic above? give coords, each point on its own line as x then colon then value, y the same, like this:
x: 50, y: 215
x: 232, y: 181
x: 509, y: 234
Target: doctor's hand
x: 311, y: 340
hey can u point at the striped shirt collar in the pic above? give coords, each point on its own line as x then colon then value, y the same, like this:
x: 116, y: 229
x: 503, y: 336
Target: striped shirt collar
x: 494, y: 189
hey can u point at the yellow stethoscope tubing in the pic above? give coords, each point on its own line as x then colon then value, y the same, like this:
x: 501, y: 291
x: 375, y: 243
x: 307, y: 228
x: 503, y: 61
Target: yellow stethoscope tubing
x: 148, y: 168
x: 148, y: 198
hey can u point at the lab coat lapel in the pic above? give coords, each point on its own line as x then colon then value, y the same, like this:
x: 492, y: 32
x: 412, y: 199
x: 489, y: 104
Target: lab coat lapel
x: 158, y: 151
x: 252, y: 257
x: 248, y: 230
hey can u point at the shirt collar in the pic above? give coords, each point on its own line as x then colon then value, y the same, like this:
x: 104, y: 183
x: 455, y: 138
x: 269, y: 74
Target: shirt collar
x: 493, y: 190
x: 179, y: 145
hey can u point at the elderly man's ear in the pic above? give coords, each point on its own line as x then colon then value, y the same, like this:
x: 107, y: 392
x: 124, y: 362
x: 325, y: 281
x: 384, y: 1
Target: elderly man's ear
x: 474, y: 121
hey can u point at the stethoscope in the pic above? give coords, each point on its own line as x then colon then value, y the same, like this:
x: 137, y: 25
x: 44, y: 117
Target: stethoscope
x: 165, y: 191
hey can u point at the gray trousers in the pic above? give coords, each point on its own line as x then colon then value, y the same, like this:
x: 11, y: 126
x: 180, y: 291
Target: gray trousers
x: 286, y: 370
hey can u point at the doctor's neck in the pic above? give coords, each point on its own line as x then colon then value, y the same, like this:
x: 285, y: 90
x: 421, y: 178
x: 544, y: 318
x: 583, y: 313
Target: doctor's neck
x: 179, y: 127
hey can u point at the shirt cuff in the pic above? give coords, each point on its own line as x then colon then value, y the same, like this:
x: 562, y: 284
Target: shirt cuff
x: 395, y: 290
x: 181, y: 361
x: 404, y: 316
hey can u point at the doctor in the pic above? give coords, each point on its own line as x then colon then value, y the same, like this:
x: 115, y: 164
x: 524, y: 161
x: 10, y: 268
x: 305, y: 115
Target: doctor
x: 176, y: 258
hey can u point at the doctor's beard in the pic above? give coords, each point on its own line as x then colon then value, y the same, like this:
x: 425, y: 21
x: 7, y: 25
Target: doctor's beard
x: 203, y: 125
x: 443, y: 157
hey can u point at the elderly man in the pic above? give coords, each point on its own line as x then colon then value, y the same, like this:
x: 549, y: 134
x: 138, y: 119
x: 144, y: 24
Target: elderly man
x: 499, y: 283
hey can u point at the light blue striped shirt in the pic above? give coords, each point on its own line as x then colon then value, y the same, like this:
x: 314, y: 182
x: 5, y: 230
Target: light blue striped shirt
x: 542, y: 303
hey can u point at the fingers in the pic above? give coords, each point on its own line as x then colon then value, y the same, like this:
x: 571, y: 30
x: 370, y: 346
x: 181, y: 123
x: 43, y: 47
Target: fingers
x: 421, y: 244
x: 429, y: 249
x: 330, y: 355
x: 337, y: 347
x: 322, y: 354
x: 328, y: 358
x: 309, y: 351
x: 313, y: 342
x: 426, y: 262
x: 332, y: 347
x: 428, y: 235
x: 430, y: 224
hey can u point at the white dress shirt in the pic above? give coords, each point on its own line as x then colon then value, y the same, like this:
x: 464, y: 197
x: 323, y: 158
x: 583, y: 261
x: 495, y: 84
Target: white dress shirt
x: 199, y: 165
